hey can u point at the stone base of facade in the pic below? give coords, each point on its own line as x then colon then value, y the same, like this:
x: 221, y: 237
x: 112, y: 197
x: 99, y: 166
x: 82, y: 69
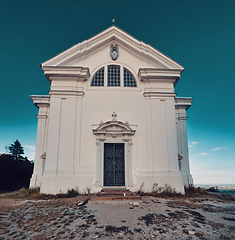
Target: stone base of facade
x: 173, y: 179
x: 187, y: 179
x: 35, y: 180
x: 61, y: 184
x: 51, y: 184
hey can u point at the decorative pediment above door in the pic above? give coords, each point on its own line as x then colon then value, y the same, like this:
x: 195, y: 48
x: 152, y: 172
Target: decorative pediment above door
x: 114, y: 128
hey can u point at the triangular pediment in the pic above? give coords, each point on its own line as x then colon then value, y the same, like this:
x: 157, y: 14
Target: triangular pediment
x: 75, y: 55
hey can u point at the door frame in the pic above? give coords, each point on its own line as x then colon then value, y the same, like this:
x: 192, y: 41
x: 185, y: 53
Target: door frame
x: 123, y: 146
x: 100, y: 160
x: 113, y: 132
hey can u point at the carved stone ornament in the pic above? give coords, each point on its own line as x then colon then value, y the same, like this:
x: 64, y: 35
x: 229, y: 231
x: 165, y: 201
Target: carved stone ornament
x: 114, y: 129
x: 114, y: 51
x: 180, y: 157
x: 43, y: 156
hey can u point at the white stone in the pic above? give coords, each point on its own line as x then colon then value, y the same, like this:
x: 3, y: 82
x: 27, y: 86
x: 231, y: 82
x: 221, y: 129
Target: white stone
x: 77, y: 120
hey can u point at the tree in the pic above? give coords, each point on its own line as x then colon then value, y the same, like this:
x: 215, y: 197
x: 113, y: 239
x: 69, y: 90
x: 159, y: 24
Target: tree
x: 16, y: 149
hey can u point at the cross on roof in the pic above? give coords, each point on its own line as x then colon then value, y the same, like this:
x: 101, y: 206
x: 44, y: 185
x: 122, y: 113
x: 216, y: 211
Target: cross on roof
x: 114, y: 115
x: 113, y: 21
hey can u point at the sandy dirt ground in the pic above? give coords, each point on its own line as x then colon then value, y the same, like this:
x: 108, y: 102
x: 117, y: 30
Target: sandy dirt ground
x: 149, y: 218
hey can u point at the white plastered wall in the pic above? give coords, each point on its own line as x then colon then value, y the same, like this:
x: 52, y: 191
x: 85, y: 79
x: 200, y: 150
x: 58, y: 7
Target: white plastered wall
x: 73, y: 153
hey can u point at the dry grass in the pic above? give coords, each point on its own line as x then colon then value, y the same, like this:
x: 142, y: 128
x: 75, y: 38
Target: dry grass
x: 161, y: 192
x: 191, y: 192
x: 34, y: 193
x: 225, y: 197
x: 29, y: 193
x: 195, y: 192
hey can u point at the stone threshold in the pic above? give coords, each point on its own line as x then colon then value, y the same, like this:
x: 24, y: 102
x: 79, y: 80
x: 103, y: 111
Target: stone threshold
x: 115, y: 193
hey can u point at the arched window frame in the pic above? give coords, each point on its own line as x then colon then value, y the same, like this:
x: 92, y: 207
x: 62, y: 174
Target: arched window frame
x: 130, y: 79
x: 122, y: 67
x: 100, y: 81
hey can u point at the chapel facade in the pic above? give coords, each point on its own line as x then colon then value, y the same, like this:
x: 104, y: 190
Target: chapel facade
x: 111, y: 118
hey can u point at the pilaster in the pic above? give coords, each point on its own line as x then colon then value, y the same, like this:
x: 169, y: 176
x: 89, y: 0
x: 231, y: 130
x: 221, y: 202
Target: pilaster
x: 64, y: 133
x: 99, y: 164
x: 43, y: 104
x: 161, y: 134
x: 182, y: 104
x: 64, y: 136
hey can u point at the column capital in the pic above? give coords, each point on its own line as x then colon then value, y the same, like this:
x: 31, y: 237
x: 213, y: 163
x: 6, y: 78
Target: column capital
x: 42, y: 116
x: 79, y: 93
x: 41, y: 100
x: 182, y: 118
x: 150, y: 94
x: 183, y: 103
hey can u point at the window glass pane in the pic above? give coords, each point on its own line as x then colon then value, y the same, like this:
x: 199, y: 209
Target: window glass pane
x: 129, y: 79
x: 113, y: 76
x: 98, y: 78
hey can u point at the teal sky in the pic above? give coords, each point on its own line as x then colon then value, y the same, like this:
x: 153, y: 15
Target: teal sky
x: 198, y: 34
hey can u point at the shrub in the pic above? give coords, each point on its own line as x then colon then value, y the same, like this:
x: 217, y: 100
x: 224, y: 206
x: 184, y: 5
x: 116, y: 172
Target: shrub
x: 71, y: 193
x: 157, y: 189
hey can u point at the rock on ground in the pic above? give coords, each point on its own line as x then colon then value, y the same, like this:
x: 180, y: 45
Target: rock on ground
x: 151, y: 218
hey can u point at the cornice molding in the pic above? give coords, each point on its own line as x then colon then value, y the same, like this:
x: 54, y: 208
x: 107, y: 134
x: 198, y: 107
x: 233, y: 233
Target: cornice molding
x: 40, y: 100
x: 58, y: 72
x: 183, y: 102
x: 155, y: 74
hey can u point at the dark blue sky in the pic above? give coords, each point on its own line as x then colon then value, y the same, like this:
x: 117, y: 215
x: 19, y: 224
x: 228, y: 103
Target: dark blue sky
x: 198, y: 34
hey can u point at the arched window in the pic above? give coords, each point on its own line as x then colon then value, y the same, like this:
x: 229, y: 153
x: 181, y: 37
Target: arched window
x: 98, y: 78
x: 129, y: 79
x: 113, y: 76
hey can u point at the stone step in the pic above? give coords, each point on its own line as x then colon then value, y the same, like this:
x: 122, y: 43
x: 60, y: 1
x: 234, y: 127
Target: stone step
x: 127, y: 198
x: 115, y: 190
x: 115, y: 194
x: 113, y: 198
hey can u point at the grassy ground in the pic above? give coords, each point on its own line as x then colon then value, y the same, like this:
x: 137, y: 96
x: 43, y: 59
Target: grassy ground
x: 166, y: 192
x: 34, y: 193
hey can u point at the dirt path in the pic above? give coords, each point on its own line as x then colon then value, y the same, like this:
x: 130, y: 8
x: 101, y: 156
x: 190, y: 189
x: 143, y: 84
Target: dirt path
x: 153, y: 218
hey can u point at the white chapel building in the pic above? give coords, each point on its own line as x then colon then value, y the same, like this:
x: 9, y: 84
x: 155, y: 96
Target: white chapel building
x: 111, y: 119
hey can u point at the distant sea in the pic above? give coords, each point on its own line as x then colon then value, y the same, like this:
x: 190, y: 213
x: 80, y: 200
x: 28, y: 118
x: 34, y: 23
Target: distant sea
x: 225, y: 188
x: 227, y: 191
